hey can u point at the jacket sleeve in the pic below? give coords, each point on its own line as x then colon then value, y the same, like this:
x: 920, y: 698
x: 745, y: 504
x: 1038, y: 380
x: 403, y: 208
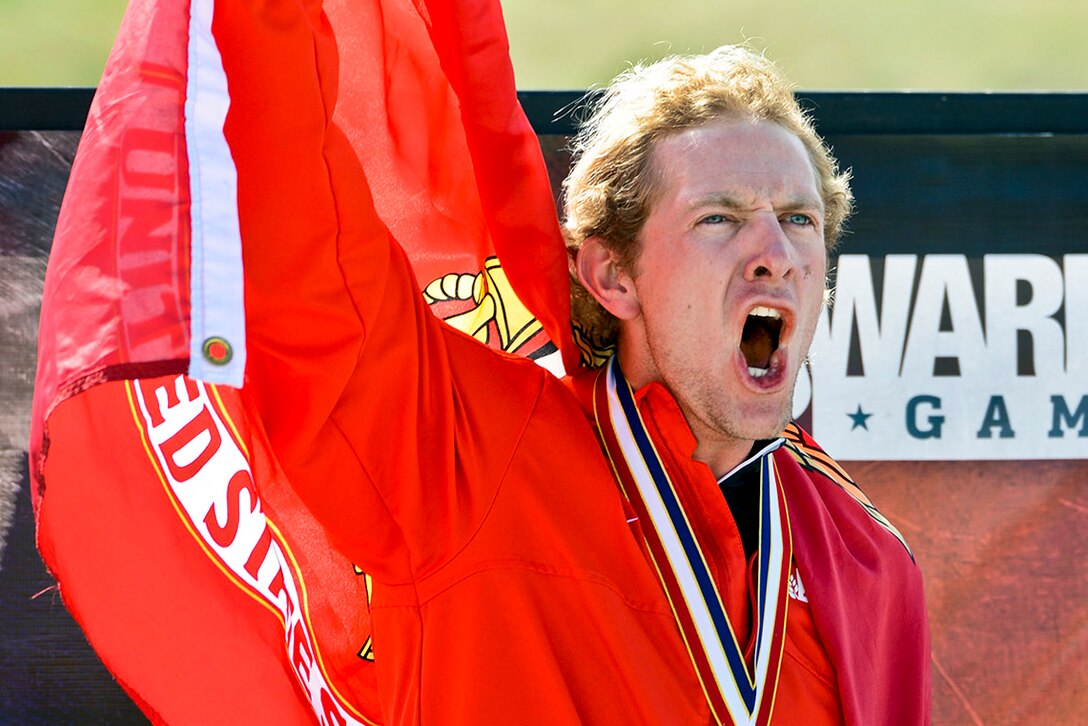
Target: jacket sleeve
x: 346, y: 367
x: 354, y: 146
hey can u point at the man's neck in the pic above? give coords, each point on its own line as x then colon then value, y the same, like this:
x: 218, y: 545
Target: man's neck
x: 720, y: 454
x: 719, y: 451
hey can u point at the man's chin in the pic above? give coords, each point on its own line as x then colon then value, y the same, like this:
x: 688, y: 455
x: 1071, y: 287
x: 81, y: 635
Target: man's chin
x: 759, y: 425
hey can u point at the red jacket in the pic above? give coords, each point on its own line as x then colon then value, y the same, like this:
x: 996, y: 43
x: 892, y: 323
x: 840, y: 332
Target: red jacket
x: 509, y: 586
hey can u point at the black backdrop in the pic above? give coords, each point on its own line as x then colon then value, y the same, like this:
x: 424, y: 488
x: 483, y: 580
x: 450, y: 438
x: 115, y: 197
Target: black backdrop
x: 933, y: 173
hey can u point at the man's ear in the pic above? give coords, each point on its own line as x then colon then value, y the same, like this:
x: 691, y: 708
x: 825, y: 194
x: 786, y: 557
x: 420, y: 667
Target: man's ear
x: 602, y: 276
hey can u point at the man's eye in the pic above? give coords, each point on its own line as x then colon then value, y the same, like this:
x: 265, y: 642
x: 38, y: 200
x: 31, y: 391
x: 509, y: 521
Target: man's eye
x: 799, y: 219
x: 713, y: 219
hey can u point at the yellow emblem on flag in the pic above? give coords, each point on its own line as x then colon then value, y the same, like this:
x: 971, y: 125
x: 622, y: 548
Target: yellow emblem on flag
x: 494, y: 302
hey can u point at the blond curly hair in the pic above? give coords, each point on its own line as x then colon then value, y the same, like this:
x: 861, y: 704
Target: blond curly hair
x: 610, y: 187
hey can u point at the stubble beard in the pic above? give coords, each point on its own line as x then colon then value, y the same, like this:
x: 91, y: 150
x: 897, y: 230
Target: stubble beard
x: 711, y: 413
x: 732, y: 422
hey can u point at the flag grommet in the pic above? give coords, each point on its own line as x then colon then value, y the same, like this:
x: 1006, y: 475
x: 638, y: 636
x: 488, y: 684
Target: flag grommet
x: 217, y: 351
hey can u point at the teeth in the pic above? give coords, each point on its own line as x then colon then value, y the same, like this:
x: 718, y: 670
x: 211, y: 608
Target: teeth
x: 765, y: 312
x: 757, y: 372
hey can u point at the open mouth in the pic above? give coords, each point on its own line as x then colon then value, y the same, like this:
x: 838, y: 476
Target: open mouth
x: 759, y: 341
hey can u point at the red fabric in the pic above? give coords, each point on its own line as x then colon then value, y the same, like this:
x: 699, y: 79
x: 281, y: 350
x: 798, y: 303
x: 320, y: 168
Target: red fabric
x: 471, y: 43
x: 508, y: 587
x: 808, y: 691
x: 116, y: 307
x: 116, y: 291
x: 453, y: 165
x: 187, y: 642
x: 878, y: 637
x: 865, y: 591
x: 160, y: 610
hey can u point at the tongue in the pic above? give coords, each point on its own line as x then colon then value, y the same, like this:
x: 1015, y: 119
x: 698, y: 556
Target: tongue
x: 757, y: 344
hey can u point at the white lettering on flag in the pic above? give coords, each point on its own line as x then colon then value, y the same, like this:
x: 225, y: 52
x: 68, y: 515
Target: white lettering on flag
x: 211, y: 483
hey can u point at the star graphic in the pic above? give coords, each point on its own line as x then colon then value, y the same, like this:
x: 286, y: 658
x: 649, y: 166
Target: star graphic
x: 859, y: 418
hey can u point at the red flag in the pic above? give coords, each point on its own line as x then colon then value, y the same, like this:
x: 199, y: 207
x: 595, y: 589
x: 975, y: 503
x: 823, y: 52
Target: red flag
x: 455, y: 100
x: 232, y: 148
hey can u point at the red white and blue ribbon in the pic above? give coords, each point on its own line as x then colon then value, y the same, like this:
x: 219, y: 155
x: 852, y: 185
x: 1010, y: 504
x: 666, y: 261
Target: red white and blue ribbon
x: 735, y: 693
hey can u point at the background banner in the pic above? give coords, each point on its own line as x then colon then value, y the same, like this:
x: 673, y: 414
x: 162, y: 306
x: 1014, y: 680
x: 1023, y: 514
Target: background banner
x: 951, y: 376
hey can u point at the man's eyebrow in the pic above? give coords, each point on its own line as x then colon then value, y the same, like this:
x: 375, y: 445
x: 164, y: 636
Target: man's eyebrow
x: 728, y: 201
x: 717, y: 200
x: 797, y: 203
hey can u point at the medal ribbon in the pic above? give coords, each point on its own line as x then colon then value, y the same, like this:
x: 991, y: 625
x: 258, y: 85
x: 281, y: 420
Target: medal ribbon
x: 734, y: 695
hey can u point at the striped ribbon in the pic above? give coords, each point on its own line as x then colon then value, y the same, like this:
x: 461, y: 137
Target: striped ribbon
x: 735, y: 695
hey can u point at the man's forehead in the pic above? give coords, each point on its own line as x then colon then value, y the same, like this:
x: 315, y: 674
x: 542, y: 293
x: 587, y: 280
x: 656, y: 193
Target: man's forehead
x: 736, y: 163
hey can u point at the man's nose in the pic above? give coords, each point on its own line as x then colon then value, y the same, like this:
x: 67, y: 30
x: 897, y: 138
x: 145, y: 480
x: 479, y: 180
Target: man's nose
x: 772, y: 254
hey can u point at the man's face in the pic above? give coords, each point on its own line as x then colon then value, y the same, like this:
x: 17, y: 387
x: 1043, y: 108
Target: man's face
x: 730, y: 278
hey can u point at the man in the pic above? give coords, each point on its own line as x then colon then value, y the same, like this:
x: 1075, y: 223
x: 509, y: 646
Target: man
x: 522, y: 575
x: 540, y: 550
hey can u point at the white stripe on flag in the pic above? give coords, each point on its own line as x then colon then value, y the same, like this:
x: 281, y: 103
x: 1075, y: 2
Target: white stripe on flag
x: 216, y: 289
